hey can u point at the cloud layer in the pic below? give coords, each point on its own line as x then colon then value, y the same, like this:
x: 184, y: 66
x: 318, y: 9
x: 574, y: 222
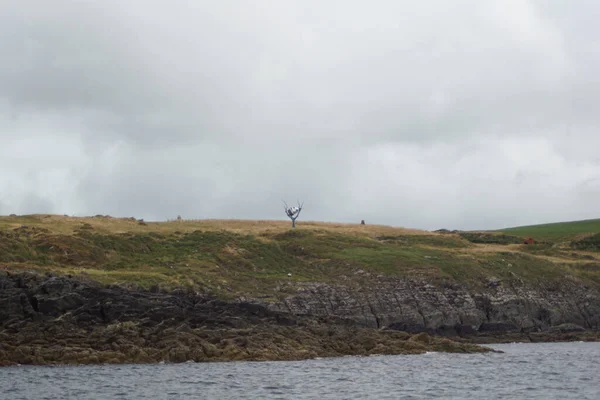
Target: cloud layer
x: 465, y: 114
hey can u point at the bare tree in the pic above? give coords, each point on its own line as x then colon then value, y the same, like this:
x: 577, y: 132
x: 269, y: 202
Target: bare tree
x: 293, y: 212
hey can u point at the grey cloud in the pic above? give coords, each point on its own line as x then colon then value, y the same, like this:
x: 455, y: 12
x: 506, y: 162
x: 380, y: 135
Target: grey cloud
x: 460, y: 114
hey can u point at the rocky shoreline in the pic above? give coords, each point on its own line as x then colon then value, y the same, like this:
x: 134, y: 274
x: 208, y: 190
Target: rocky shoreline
x: 61, y: 320
x: 514, y: 311
x: 102, y: 289
x: 47, y: 319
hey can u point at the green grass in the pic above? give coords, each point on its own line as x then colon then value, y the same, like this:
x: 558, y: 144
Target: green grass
x: 234, y: 258
x: 556, y: 232
x: 591, y: 243
x: 490, y: 238
x: 448, y: 241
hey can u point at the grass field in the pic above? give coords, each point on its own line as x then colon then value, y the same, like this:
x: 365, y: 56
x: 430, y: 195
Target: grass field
x: 268, y: 258
x: 557, y: 232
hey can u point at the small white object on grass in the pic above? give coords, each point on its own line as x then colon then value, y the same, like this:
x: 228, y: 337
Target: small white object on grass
x: 289, y: 274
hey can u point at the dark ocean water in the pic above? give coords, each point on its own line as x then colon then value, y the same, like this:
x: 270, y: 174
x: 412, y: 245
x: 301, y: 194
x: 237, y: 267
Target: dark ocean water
x: 524, y: 371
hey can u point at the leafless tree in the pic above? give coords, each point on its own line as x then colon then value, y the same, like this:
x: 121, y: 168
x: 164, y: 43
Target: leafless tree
x: 293, y: 212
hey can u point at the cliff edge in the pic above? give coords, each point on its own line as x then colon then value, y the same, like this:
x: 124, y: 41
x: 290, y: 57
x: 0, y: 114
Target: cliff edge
x: 103, y: 289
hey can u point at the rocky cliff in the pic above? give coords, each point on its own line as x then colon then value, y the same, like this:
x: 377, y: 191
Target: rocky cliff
x: 47, y: 319
x: 452, y: 309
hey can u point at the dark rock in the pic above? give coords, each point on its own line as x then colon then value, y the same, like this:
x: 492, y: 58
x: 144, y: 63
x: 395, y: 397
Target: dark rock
x: 498, y: 327
x: 409, y: 328
x: 59, y: 305
x: 56, y: 286
x: 154, y: 289
x: 414, y: 306
x: 59, y: 319
x: 254, y: 309
x: 567, y: 328
x: 5, y: 282
x: 285, y: 321
x: 464, y: 330
x: 445, y: 330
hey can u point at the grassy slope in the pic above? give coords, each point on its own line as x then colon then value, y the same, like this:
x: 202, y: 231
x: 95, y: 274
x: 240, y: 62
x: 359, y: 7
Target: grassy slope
x: 235, y: 258
x: 557, y: 232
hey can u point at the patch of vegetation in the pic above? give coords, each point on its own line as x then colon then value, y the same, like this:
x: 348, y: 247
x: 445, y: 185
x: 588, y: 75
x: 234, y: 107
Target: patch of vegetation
x: 523, y: 267
x: 591, y: 243
x: 490, y: 238
x: 398, y: 261
x: 426, y: 240
x: 588, y: 272
x: 556, y: 232
x: 269, y: 260
x: 546, y: 249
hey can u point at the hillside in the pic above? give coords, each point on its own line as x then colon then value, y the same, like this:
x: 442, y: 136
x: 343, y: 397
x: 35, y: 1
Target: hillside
x: 557, y: 232
x: 223, y: 257
x: 253, y: 258
x: 225, y: 290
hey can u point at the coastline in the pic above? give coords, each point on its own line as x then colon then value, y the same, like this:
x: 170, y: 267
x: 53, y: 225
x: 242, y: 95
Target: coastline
x: 103, y: 289
x: 87, y: 323
x: 49, y: 320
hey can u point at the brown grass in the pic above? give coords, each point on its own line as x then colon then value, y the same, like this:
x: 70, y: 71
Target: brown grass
x: 68, y: 225
x: 495, y: 248
x: 253, y: 256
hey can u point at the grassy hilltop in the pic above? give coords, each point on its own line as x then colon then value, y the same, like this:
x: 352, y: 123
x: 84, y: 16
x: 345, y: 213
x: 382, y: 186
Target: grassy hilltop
x: 262, y: 258
x: 558, y: 232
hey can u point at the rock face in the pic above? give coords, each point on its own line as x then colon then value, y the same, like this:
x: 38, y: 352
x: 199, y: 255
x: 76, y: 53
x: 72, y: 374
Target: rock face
x: 451, y: 309
x: 62, y: 320
x: 30, y: 297
x: 396, y: 304
x: 49, y: 319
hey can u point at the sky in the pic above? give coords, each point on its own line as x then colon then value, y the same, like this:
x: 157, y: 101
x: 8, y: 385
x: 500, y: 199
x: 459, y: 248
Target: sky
x: 465, y: 114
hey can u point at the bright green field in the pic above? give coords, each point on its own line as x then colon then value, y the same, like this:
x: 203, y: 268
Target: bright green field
x: 556, y: 232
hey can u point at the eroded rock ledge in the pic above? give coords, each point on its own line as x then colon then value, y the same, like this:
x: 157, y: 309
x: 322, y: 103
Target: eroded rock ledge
x: 556, y: 310
x: 53, y: 320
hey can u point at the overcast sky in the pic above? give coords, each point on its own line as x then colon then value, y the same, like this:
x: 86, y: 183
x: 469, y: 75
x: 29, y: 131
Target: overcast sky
x: 464, y: 114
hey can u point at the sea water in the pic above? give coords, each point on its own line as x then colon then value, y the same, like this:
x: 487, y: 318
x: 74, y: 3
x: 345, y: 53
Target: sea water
x: 523, y: 371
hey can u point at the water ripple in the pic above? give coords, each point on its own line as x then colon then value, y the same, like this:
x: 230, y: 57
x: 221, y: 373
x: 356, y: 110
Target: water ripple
x: 532, y: 371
